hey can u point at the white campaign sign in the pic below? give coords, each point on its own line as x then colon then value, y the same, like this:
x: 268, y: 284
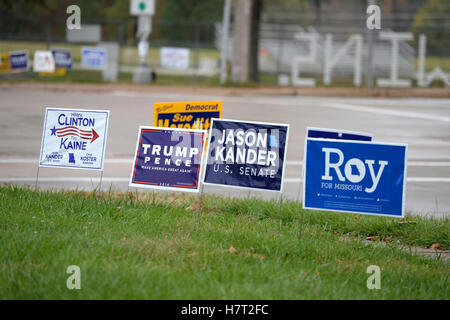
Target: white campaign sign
x: 43, y: 61
x: 174, y: 58
x: 74, y: 139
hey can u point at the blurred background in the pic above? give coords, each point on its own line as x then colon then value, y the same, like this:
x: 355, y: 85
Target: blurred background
x: 197, y: 26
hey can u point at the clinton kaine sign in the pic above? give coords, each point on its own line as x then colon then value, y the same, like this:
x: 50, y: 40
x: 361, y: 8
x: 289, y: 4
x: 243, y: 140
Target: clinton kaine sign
x: 246, y: 154
x: 74, y: 138
x: 168, y: 159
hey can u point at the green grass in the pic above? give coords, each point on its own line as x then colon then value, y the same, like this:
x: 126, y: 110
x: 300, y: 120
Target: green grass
x: 149, y: 245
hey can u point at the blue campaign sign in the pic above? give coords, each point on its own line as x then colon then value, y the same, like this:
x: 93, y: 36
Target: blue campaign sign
x: 355, y: 176
x: 246, y: 154
x: 63, y: 58
x: 326, y: 133
x: 18, y: 61
x: 168, y: 158
x: 93, y: 58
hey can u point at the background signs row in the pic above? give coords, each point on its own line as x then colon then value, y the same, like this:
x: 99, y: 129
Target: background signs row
x: 74, y: 138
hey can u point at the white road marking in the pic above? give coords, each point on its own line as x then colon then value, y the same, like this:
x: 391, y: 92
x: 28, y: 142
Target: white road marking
x: 390, y: 112
x: 293, y: 163
x: 126, y: 179
x: 408, y: 179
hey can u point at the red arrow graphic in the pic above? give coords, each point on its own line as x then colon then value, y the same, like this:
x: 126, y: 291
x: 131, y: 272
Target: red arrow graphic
x: 74, y: 131
x: 94, y: 135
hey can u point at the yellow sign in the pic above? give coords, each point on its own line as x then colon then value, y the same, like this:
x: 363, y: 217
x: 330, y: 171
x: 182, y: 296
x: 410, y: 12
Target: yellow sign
x: 4, y: 63
x: 186, y: 114
x: 59, y: 72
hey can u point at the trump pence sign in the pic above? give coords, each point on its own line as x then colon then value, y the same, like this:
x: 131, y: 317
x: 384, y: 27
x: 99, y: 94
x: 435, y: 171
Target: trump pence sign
x: 168, y: 158
x: 74, y: 138
x: 246, y: 154
x: 355, y: 176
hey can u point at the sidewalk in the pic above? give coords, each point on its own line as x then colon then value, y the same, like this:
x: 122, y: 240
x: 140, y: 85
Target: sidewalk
x: 233, y: 91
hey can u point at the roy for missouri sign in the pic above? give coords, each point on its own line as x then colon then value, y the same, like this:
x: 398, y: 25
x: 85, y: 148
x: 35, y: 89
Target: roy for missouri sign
x: 168, y: 158
x: 355, y: 176
x: 246, y: 154
x: 74, y: 138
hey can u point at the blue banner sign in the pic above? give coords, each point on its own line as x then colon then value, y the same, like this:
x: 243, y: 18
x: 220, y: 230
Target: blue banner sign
x: 18, y: 61
x: 93, y: 58
x: 168, y: 159
x: 63, y: 58
x: 246, y: 154
x: 355, y: 177
x: 337, y: 134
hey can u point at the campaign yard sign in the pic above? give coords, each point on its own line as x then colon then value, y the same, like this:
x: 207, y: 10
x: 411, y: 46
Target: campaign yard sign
x: 18, y: 61
x: 63, y: 58
x: 246, y: 154
x: 355, y: 176
x: 325, y: 133
x: 168, y: 159
x: 174, y: 58
x: 43, y: 61
x: 186, y: 114
x: 4, y: 63
x: 74, y: 138
x: 93, y: 58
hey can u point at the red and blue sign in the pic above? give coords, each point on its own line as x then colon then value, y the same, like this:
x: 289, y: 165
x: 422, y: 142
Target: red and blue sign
x: 168, y: 159
x: 355, y: 176
x: 246, y: 154
x: 74, y: 138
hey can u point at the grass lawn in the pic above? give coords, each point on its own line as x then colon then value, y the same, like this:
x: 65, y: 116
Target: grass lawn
x: 171, y: 246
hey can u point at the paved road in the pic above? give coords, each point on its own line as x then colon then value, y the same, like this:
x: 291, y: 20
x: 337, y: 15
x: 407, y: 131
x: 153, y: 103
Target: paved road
x: 422, y: 123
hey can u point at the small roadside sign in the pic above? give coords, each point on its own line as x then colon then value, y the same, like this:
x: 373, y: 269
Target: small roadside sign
x: 43, y: 61
x: 142, y: 7
x: 93, y: 58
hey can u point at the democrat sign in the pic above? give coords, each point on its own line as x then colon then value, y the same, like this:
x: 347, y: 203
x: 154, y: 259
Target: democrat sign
x: 74, y: 139
x: 246, y: 154
x: 168, y: 159
x: 186, y: 114
x: 355, y: 176
x: 93, y: 58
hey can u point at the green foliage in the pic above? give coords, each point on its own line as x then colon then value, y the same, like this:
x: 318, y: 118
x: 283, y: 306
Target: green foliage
x: 432, y: 20
x: 180, y: 17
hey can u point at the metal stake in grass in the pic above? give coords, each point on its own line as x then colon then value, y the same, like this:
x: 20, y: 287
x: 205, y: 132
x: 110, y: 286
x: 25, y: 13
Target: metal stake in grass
x: 300, y: 220
x: 200, y: 202
x: 37, y: 177
x: 100, y: 183
x: 281, y: 206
